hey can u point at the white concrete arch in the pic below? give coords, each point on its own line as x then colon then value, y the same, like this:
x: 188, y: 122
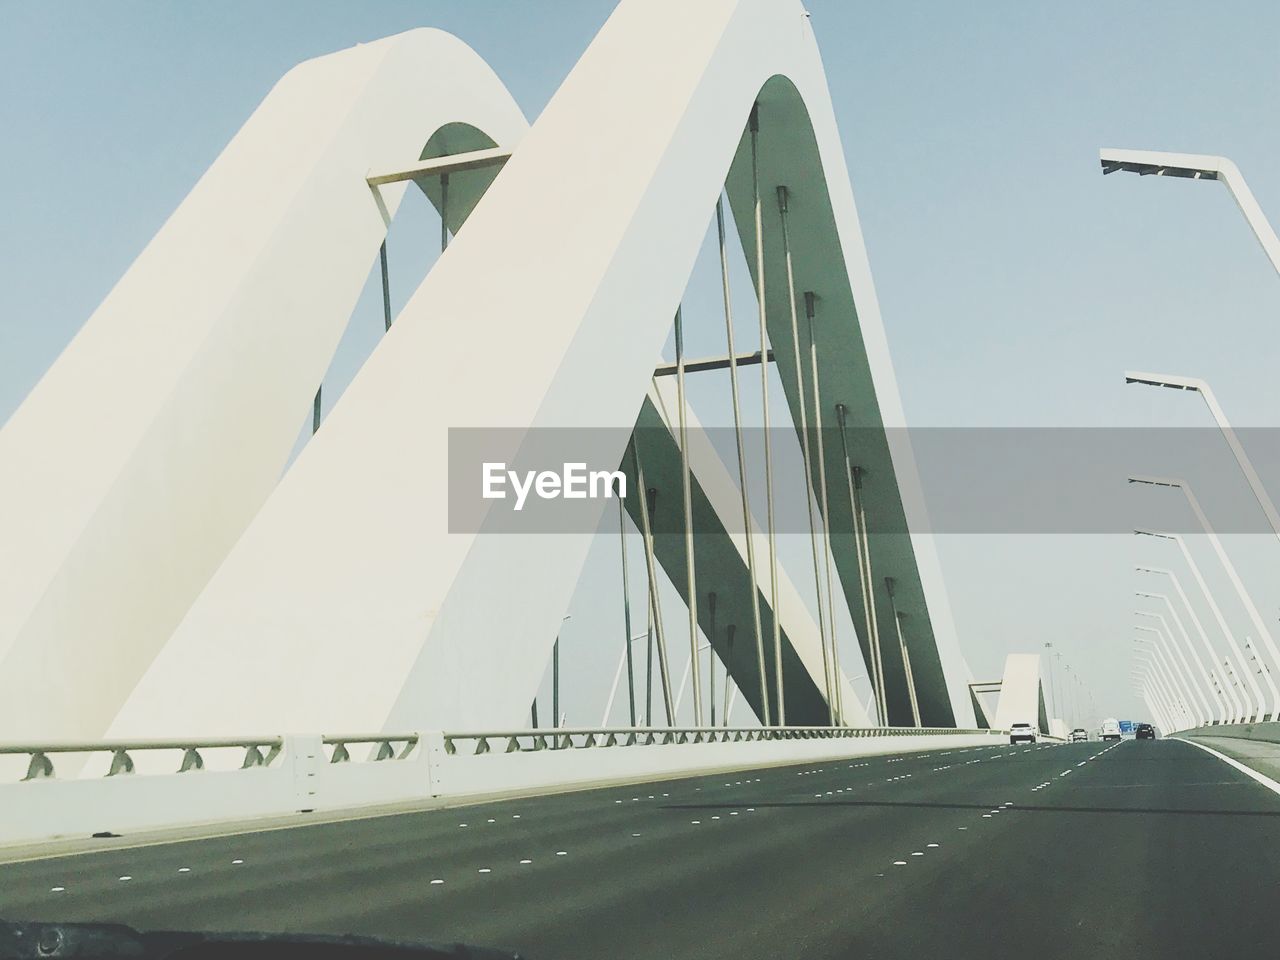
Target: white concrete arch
x: 144, y: 452
x: 550, y: 310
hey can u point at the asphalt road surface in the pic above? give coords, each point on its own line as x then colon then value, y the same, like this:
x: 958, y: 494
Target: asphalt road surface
x: 1141, y: 849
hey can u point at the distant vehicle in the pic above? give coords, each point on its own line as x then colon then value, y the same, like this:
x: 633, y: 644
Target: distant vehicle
x: 1022, y: 733
x: 1145, y: 731
x: 1079, y: 734
x: 1110, y: 729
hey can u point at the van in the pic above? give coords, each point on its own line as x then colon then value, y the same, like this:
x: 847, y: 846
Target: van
x: 1110, y: 729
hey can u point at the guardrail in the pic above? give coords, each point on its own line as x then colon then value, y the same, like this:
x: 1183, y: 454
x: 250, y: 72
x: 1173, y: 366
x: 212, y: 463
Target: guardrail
x: 40, y: 763
x: 282, y: 776
x: 397, y: 746
x: 581, y: 738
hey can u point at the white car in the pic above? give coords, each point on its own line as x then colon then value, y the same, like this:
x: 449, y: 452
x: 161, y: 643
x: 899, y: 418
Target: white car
x: 1022, y: 733
x: 1110, y: 729
x: 1079, y: 735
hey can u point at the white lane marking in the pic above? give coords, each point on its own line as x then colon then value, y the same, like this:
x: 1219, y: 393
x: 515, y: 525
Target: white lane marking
x: 237, y: 862
x: 751, y: 809
x: 462, y: 824
x: 437, y: 880
x: 184, y: 869
x: 1262, y: 778
x: 635, y: 834
x: 562, y: 853
x: 491, y: 820
x: 695, y: 821
x: 484, y: 870
x: 526, y: 861
x: 932, y: 844
x: 899, y: 863
x: 733, y: 813
x: 126, y: 877
x: 57, y: 889
x: 986, y: 816
x: 918, y: 853
x: 515, y: 816
x: 962, y: 828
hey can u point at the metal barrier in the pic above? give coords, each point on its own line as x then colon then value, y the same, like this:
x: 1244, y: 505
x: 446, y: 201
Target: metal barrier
x: 398, y: 746
x: 282, y: 776
x: 581, y: 738
x: 40, y: 765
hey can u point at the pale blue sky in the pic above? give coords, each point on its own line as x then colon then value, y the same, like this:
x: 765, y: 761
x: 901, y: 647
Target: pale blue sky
x: 1016, y: 283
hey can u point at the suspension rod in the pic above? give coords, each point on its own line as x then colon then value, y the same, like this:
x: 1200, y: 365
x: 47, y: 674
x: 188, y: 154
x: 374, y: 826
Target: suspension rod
x: 754, y: 126
x: 655, y: 602
x: 853, y: 477
x: 626, y: 608
x: 804, y: 443
x: 747, y: 526
x: 729, y: 632
x: 686, y: 489
x: 836, y: 705
x: 902, y: 648
x: 444, y: 212
x: 711, y: 661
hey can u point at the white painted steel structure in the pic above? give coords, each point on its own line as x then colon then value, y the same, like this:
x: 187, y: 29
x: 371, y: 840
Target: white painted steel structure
x: 143, y: 453
x: 623, y: 173
x: 160, y: 579
x: 1021, y: 700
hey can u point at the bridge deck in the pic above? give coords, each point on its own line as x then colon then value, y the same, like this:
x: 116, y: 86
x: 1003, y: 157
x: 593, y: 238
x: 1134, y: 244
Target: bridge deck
x: 1083, y: 850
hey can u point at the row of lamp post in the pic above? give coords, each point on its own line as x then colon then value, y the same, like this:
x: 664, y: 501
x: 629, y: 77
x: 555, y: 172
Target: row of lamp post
x: 1184, y: 691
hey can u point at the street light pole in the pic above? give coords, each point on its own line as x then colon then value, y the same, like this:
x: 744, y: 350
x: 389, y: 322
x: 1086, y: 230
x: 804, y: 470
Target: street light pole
x: 1204, y: 711
x: 1172, y: 707
x: 1156, y: 695
x: 1195, y: 166
x: 1171, y: 679
x: 1235, y: 710
x: 1206, y: 679
x: 1151, y: 700
x: 1237, y: 449
x: 1245, y: 599
x: 1258, y: 711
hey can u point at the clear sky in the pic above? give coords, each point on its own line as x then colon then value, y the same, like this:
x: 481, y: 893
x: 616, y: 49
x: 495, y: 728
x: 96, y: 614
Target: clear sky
x: 1016, y: 283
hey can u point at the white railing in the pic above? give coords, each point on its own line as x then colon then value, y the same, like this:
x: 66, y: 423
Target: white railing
x: 285, y: 776
x: 580, y: 738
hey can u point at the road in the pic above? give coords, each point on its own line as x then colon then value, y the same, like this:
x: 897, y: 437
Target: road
x: 1142, y: 849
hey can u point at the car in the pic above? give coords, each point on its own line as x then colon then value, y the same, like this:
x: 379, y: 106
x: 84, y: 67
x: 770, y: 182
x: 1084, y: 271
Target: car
x: 1110, y: 729
x: 1078, y: 735
x: 1145, y: 731
x: 1022, y: 733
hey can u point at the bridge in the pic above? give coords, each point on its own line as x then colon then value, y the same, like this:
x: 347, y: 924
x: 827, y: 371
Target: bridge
x: 244, y: 687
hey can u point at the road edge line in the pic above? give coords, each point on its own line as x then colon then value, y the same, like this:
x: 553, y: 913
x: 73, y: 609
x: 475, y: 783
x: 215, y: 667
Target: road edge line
x: 1262, y: 778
